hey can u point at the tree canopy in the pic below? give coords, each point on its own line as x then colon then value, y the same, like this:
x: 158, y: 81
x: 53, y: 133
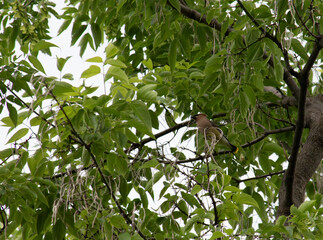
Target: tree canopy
x: 129, y: 163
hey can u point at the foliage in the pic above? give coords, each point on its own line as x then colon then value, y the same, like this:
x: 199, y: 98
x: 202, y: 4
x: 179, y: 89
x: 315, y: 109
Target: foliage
x: 116, y: 166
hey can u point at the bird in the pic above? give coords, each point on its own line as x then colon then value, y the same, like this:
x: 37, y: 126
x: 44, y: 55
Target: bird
x: 211, y: 131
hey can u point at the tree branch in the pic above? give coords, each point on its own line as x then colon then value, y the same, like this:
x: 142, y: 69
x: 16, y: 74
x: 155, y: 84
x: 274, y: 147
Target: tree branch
x: 195, y: 15
x: 248, y: 144
x: 258, y: 177
x: 288, y: 181
x: 266, y: 133
x: 310, y: 62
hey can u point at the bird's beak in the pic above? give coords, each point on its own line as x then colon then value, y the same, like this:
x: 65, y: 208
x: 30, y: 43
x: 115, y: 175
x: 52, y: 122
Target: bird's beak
x: 194, y: 116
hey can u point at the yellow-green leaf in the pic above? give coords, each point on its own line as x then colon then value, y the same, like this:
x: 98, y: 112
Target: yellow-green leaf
x: 91, y: 71
x: 245, y: 199
x: 117, y: 73
x: 172, y: 55
x: 18, y: 135
x: 95, y: 59
x: 115, y: 62
x: 43, y: 45
x: 111, y: 50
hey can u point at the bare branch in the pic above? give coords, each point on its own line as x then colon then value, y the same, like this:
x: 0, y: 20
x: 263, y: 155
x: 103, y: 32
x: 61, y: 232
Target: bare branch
x: 266, y: 133
x: 195, y: 15
x: 258, y: 177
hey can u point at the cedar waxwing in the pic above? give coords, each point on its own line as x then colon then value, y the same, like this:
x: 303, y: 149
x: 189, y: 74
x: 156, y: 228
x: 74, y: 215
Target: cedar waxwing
x: 211, y: 131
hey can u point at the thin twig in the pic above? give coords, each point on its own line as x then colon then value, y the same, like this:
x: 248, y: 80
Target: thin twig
x: 258, y: 177
x: 303, y: 23
x: 28, y: 106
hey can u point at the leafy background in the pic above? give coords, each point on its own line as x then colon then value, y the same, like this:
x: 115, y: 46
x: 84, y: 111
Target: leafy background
x: 125, y: 163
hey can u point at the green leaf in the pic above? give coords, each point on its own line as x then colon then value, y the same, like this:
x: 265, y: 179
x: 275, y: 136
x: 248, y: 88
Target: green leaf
x: 245, y: 199
x: 68, y: 76
x: 12, y: 113
x: 143, y: 197
x: 172, y: 54
x: 150, y: 164
x: 86, y: 39
x: 148, y: 63
x: 121, y: 166
x: 244, y: 103
x: 64, y: 26
x: 124, y: 236
x: 279, y: 71
x: 273, y: 147
x: 18, y: 135
x: 213, y: 64
x: 6, y: 153
x: 61, y: 62
x: 282, y: 6
x: 191, y: 222
x: 281, y: 220
x: 4, y: 171
x: 116, y: 63
x: 95, y: 59
x: 118, y: 221
x: 299, y: 49
x: 197, y: 75
x: 118, y: 73
x: 36, y: 63
x: 251, y: 95
x: 157, y: 176
x: 197, y: 188
x: 217, y: 235
x: 176, y: 5
x: 63, y: 89
x: 191, y: 200
x: 59, y: 230
x: 307, y: 205
x: 140, y: 126
x: 42, y: 45
x: 265, y: 163
x: 97, y: 34
x: 111, y: 50
x: 141, y: 111
x: 210, y: 15
x: 38, y: 192
x: 76, y: 35
x: 147, y: 92
x: 91, y: 71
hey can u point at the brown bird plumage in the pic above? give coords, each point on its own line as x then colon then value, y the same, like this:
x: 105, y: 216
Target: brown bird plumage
x: 211, y: 131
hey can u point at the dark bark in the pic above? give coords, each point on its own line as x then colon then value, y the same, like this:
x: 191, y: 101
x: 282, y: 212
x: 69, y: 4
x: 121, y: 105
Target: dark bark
x: 292, y: 190
x: 307, y: 160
